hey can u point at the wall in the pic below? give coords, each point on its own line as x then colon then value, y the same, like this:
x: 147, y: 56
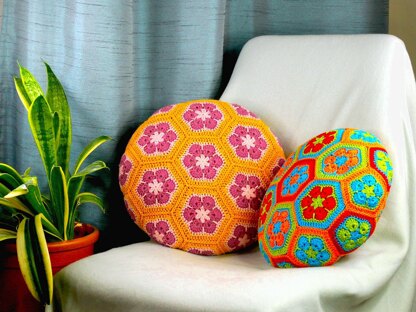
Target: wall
x: 402, y: 23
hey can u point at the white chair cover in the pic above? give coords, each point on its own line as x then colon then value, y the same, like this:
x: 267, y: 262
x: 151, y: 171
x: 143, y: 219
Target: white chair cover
x: 301, y: 86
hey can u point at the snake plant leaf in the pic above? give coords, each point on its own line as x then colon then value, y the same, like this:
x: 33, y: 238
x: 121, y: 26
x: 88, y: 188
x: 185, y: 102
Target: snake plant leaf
x: 7, y: 234
x: 58, y: 103
x: 91, y: 168
x: 27, y: 172
x: 8, y: 180
x: 34, y: 260
x: 87, y: 197
x: 88, y: 150
x: 15, y: 204
x: 41, y: 123
x: 20, y: 88
x: 18, y: 191
x: 30, y: 85
x: 12, y: 202
x: 59, y: 197
x: 5, y: 168
x: 34, y: 197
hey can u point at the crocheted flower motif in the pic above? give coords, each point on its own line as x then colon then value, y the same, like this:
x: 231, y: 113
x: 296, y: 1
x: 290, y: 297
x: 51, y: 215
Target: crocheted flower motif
x: 161, y: 232
x: 352, y: 233
x: 312, y: 251
x: 319, y: 142
x: 318, y: 203
x: 202, y: 161
x: 201, y: 252
x: 383, y: 163
x: 242, y: 237
x: 202, y: 214
x: 284, y: 265
x: 341, y: 161
x: 247, y: 191
x: 164, y: 109
x: 364, y: 136
x: 124, y: 169
x: 367, y: 191
x: 277, y: 230
x: 292, y: 183
x: 265, y: 207
x: 243, y: 112
x: 202, y: 115
x: 156, y: 187
x: 130, y: 211
x: 248, y: 142
x: 157, y: 138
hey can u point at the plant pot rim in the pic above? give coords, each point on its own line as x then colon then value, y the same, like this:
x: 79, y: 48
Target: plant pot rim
x: 71, y: 244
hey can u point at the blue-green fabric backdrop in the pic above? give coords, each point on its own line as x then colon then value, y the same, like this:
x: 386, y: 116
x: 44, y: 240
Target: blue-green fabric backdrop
x: 121, y: 60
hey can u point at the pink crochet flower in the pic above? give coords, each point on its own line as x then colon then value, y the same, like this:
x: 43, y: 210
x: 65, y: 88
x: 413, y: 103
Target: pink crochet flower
x: 247, y: 191
x: 243, y: 111
x: 201, y: 252
x: 202, y: 161
x: 248, y: 142
x: 124, y: 168
x: 156, y: 187
x: 202, y: 214
x: 157, y: 138
x: 242, y: 237
x: 164, y: 109
x: 202, y: 115
x: 130, y: 211
x: 161, y: 232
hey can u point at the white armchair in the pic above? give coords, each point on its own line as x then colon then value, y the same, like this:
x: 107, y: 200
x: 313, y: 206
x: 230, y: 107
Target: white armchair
x: 300, y: 86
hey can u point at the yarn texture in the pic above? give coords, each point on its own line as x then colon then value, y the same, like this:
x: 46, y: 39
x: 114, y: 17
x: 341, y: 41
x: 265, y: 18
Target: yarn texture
x: 326, y: 199
x: 194, y: 175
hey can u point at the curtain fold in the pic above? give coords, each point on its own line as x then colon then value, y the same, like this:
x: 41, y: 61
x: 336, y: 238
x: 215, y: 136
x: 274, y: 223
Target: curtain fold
x: 120, y: 60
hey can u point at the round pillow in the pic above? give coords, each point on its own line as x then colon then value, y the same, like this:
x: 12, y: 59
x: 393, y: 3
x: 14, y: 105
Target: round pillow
x: 326, y: 199
x: 194, y: 174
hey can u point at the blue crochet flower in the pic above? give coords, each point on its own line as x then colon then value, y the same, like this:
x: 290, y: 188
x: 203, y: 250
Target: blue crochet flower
x: 294, y: 180
x: 312, y: 251
x: 364, y: 136
x: 367, y: 191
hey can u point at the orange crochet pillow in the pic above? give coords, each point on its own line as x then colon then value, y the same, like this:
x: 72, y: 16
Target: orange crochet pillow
x: 325, y: 201
x: 194, y: 174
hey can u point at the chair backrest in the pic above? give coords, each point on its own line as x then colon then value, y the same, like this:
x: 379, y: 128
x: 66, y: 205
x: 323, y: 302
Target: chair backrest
x: 304, y: 85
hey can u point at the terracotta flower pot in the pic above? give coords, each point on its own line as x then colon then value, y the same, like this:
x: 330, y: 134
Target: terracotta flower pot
x: 14, y: 295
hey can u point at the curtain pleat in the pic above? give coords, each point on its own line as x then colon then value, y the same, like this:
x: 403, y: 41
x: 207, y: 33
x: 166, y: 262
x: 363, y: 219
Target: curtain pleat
x: 120, y: 60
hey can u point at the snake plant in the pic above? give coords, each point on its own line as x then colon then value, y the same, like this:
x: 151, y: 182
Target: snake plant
x: 29, y: 217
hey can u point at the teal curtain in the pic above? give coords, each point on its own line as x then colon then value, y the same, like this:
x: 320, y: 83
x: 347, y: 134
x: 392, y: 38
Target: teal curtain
x: 121, y: 60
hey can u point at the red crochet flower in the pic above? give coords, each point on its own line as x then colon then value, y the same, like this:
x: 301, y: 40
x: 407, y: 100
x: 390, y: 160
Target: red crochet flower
x: 317, y: 143
x: 318, y: 203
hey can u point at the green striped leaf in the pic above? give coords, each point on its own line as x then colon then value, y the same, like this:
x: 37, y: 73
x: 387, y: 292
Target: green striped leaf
x: 8, y: 180
x: 41, y: 123
x: 59, y: 197
x: 34, y: 197
x: 30, y: 85
x: 34, y: 261
x: 7, y: 234
x: 24, y: 97
x: 12, y: 202
x: 88, y: 150
x: 5, y: 168
x: 58, y: 103
x: 87, y: 197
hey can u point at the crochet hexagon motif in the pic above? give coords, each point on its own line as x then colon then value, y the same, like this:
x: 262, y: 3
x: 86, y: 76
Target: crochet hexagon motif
x: 325, y: 200
x: 194, y: 175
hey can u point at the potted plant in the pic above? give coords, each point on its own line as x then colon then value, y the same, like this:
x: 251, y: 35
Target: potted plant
x: 40, y: 223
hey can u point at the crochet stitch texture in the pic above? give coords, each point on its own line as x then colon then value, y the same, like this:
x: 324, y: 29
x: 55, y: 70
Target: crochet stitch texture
x: 325, y: 201
x: 194, y: 174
